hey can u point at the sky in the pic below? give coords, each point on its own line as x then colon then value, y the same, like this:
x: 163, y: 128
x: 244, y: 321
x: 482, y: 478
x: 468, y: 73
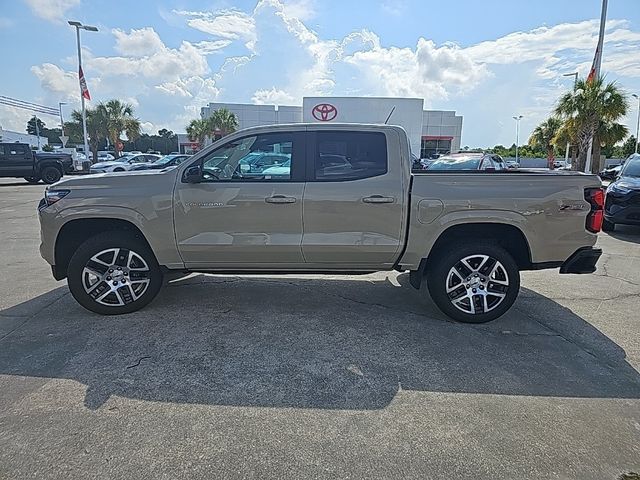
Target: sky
x: 488, y: 60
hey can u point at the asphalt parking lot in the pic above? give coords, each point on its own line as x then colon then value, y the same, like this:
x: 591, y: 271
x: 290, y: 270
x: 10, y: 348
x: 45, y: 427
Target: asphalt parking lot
x: 315, y: 376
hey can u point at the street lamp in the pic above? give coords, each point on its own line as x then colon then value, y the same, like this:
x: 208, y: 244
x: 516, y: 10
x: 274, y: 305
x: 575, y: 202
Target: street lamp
x: 638, y: 123
x: 517, y: 119
x: 62, y: 138
x: 89, y: 28
x: 575, y: 84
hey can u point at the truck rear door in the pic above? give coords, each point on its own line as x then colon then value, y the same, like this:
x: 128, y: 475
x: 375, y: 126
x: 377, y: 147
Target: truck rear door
x: 354, y: 207
x: 16, y: 160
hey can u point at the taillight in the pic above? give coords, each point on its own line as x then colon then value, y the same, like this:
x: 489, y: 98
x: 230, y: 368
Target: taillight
x: 595, y: 197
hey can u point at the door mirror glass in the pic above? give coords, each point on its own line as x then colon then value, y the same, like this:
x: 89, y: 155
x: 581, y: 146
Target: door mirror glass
x: 193, y: 174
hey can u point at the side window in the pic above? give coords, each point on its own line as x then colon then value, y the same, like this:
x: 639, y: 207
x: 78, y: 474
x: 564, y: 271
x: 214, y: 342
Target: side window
x: 16, y: 150
x: 344, y: 156
x: 487, y: 164
x: 1, y: 150
x: 265, y: 157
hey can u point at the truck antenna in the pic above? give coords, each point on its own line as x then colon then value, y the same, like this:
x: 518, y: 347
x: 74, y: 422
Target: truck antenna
x: 390, y: 113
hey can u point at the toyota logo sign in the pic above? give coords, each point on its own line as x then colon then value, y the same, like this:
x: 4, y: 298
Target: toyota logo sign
x: 324, y: 112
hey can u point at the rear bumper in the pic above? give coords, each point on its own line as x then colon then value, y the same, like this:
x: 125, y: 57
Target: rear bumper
x: 582, y: 261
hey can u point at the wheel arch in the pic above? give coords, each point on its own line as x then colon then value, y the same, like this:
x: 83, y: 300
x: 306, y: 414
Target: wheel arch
x: 509, y: 237
x: 76, y: 231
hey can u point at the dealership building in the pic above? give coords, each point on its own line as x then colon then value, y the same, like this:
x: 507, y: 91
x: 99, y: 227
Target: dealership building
x: 430, y: 131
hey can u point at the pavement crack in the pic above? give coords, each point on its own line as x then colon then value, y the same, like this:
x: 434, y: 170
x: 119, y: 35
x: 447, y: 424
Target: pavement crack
x: 137, y: 364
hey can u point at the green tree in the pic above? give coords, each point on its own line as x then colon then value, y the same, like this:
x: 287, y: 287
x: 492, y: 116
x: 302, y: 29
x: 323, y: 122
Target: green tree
x: 607, y: 135
x: 119, y: 118
x: 543, y: 135
x: 198, y: 130
x: 97, y: 127
x: 587, y: 105
x: 629, y: 146
x: 163, y: 132
x: 222, y: 122
x: 31, y: 126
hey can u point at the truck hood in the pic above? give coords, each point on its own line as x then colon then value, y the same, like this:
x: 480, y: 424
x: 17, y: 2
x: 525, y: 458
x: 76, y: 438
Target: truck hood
x: 127, y: 179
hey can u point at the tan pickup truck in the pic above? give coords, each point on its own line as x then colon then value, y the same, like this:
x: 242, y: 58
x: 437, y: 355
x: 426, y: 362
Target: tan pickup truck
x: 318, y: 198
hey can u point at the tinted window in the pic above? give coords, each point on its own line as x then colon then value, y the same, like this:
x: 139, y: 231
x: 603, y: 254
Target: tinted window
x: 456, y: 163
x: 266, y: 157
x: 350, y: 155
x: 16, y: 149
x: 631, y: 168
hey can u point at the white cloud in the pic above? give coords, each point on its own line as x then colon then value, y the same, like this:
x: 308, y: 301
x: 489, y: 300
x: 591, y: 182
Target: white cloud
x: 138, y: 43
x: 272, y: 96
x: 52, y: 10
x: 58, y: 82
x: 227, y: 24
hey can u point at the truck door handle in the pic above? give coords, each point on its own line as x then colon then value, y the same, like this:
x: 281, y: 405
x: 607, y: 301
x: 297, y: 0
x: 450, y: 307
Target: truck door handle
x: 280, y: 199
x: 378, y: 199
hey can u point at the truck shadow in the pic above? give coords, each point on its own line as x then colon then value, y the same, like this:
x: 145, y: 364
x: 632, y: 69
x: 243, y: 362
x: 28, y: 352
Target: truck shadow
x: 309, y: 343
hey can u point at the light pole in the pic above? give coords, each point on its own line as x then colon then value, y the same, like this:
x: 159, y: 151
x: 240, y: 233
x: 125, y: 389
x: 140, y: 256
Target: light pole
x: 61, y: 124
x: 89, y: 28
x: 575, y: 84
x: 517, y: 119
x: 638, y: 122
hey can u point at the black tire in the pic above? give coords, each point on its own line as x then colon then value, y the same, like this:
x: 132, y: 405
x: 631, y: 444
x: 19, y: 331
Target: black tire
x: 608, y: 226
x: 50, y: 175
x: 438, y: 281
x: 121, y: 243
x: 118, y: 169
x: 32, y: 180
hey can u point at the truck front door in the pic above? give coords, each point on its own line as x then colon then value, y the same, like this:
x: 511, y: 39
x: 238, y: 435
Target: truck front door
x: 240, y: 218
x: 354, y: 209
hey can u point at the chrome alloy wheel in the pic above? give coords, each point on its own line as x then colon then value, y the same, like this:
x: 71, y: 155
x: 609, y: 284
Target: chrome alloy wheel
x: 477, y: 284
x: 116, y: 277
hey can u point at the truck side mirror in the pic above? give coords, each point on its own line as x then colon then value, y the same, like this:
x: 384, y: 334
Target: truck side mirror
x: 193, y: 174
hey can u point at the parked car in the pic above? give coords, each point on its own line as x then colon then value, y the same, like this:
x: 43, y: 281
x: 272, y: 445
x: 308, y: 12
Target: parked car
x: 105, y: 157
x: 123, y: 163
x: 622, y: 205
x: 466, y: 234
x: 162, y: 162
x: 19, y: 161
x: 469, y: 161
x: 610, y: 173
x: 512, y: 164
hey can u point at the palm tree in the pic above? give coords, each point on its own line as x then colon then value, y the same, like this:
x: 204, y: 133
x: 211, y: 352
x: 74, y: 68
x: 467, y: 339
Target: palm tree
x: 588, y: 104
x: 567, y: 135
x: 119, y: 117
x: 222, y: 122
x: 96, y: 128
x: 543, y: 135
x: 198, y: 130
x: 607, y: 134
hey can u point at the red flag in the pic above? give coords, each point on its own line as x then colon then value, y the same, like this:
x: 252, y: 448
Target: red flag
x: 83, y: 86
x: 592, y: 72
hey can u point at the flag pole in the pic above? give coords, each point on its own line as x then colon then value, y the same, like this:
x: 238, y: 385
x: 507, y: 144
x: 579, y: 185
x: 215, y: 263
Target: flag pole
x: 594, y: 74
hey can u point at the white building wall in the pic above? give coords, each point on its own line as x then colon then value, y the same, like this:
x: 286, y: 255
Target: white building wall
x: 407, y: 112
x: 12, y: 137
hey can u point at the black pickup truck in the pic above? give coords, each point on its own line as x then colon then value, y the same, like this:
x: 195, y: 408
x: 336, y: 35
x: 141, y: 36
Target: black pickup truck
x: 17, y: 160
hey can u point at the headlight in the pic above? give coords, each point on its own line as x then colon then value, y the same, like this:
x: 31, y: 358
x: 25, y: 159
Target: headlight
x: 53, y: 196
x: 617, y: 188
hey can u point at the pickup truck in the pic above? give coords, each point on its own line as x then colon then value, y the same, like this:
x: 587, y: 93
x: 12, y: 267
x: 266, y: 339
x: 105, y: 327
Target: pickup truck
x: 19, y: 161
x: 347, y: 204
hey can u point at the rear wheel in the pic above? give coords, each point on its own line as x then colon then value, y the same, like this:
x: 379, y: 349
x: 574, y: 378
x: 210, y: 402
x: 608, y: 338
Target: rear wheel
x: 50, y: 175
x: 473, y: 282
x: 114, y: 273
x: 118, y: 169
x: 608, y: 226
x: 32, y: 180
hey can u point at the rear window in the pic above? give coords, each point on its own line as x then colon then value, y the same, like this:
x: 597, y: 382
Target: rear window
x: 344, y: 156
x: 456, y: 163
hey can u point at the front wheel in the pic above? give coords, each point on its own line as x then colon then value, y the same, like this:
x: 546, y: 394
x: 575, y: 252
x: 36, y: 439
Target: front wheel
x: 114, y: 273
x: 473, y: 282
x: 32, y: 180
x: 50, y: 175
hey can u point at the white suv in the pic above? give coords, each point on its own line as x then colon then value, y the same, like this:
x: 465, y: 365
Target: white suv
x: 124, y: 163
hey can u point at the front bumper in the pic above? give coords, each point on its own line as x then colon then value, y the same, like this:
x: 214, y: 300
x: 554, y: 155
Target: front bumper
x: 583, y: 260
x: 623, y: 208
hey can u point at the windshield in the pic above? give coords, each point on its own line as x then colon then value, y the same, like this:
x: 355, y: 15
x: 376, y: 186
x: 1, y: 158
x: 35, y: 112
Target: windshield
x: 456, y: 163
x: 631, y: 168
x: 164, y: 160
